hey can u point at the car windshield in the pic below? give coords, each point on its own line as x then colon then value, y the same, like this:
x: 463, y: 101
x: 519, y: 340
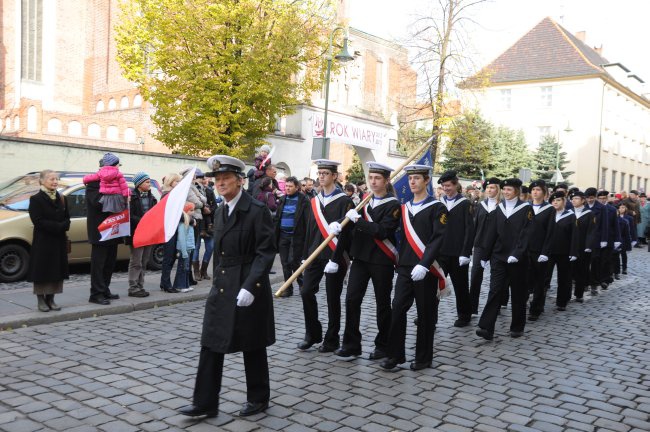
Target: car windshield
x: 14, y: 195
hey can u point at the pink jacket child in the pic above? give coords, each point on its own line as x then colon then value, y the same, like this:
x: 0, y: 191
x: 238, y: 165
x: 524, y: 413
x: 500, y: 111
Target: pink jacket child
x: 112, y: 185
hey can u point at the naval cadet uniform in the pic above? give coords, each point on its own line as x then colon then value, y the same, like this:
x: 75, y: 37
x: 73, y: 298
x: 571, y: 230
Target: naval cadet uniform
x: 600, y: 241
x: 541, y: 228
x: 586, y: 228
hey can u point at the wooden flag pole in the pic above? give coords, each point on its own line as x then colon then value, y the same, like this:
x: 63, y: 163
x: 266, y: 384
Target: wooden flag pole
x: 365, y: 201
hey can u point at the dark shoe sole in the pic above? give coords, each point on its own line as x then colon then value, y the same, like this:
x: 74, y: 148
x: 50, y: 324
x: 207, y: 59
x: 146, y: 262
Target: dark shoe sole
x: 484, y: 334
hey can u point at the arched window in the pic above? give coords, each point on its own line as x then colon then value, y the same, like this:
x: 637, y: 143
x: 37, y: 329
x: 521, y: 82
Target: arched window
x: 124, y: 102
x: 112, y: 104
x: 100, y: 106
x: 94, y: 130
x: 137, y: 100
x: 129, y: 135
x: 112, y: 133
x: 74, y: 128
x: 7, y: 124
x: 54, y: 125
x: 32, y: 119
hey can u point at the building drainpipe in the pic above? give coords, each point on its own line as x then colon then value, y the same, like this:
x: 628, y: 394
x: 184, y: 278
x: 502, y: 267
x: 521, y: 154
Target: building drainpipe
x: 600, y: 136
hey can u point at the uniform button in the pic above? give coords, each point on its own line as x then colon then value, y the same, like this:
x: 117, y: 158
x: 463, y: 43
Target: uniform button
x: 221, y: 290
x: 223, y: 253
x: 223, y: 272
x: 258, y: 285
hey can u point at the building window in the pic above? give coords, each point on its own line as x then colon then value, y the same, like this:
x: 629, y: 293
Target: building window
x: 622, y: 182
x: 31, y: 39
x: 630, y: 182
x: 547, y: 97
x: 603, y: 176
x: 54, y: 125
x: 112, y: 104
x: 32, y: 119
x: 112, y: 133
x: 124, y: 102
x: 94, y: 130
x: 137, y: 100
x: 129, y: 135
x: 506, y: 99
x: 74, y: 128
x: 613, y: 181
x: 638, y: 182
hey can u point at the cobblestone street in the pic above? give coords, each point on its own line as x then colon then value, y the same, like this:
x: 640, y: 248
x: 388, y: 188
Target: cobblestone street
x: 586, y: 369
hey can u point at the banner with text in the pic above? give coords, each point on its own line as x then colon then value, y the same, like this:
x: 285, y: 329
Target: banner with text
x: 349, y: 131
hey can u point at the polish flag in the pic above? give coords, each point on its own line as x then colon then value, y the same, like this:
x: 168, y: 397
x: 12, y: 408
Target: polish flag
x: 116, y: 225
x: 159, y: 224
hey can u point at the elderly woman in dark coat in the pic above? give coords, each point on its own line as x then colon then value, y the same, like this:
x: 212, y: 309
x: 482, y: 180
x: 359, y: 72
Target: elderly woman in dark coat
x: 48, y: 265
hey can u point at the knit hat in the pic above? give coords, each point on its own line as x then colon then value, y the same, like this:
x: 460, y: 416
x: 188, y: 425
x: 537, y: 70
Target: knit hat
x: 110, y: 159
x: 265, y: 148
x: 140, y: 178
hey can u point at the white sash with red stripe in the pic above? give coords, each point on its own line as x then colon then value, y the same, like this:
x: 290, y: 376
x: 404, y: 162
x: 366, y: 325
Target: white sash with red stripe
x: 418, y: 247
x: 321, y: 222
x: 386, y: 246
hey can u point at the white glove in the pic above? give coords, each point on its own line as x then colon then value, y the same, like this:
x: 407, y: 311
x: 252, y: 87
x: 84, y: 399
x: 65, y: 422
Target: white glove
x: 331, y: 267
x: 353, y: 215
x: 634, y: 244
x: 541, y: 259
x: 603, y: 245
x: 512, y: 260
x: 617, y: 245
x: 485, y: 264
x: 463, y: 261
x: 572, y: 258
x: 335, y: 228
x: 588, y: 250
x: 244, y: 298
x: 419, y: 272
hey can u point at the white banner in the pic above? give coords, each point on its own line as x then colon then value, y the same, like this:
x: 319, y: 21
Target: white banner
x: 350, y: 131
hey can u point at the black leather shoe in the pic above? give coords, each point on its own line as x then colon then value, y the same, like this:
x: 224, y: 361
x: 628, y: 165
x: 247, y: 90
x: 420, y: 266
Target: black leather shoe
x: 533, y: 317
x: 484, y: 334
x: 306, y: 344
x: 594, y: 291
x: 377, y: 354
x: 252, y: 408
x: 286, y: 293
x: 516, y: 334
x: 624, y: 272
x: 112, y: 297
x: 617, y: 277
x: 326, y: 348
x: 390, y: 363
x: 345, y: 352
x: 461, y: 323
x: 604, y: 285
x: 579, y: 300
x: 561, y: 308
x: 416, y: 366
x: 194, y: 411
x: 172, y: 290
x: 141, y: 293
x: 102, y: 301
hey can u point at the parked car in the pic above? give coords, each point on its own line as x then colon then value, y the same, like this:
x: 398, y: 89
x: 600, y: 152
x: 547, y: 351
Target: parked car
x: 16, y: 228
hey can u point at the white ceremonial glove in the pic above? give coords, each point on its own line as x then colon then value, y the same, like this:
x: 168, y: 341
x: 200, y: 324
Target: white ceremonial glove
x: 541, y: 259
x: 463, y: 261
x: 418, y: 273
x: 512, y: 260
x: 244, y: 298
x: 331, y: 267
x: 485, y: 264
x: 603, y: 245
x: 335, y: 228
x: 353, y: 215
x: 572, y: 258
x: 588, y: 250
x: 617, y: 245
x: 634, y: 244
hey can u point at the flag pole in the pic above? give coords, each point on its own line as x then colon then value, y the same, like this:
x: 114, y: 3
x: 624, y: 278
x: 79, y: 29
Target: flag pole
x: 362, y: 204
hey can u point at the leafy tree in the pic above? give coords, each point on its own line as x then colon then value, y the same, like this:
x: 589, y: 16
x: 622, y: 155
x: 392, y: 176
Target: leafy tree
x: 546, y: 158
x: 509, y: 153
x: 219, y: 73
x: 468, y: 149
x: 355, y: 172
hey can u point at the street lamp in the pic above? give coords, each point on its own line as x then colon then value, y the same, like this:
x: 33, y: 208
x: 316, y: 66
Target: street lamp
x: 558, y: 174
x: 344, y: 57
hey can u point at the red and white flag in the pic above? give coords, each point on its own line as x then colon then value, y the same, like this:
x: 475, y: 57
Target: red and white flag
x: 159, y: 224
x: 116, y: 225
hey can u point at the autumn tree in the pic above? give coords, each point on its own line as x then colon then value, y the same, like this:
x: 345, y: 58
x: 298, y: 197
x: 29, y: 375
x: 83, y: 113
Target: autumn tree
x: 509, y: 153
x: 468, y: 150
x: 219, y: 73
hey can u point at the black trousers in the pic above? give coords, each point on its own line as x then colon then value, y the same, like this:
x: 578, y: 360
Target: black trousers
x: 581, y: 273
x: 285, y: 248
x: 169, y: 256
x: 537, y: 278
x: 333, y: 288
x: 476, y: 279
x: 382, y: 281
x: 563, y: 277
x: 459, y: 276
x: 502, y: 276
x: 594, y: 268
x: 208, y: 378
x: 102, y: 264
x: 424, y: 293
x: 619, y: 259
x: 606, y: 268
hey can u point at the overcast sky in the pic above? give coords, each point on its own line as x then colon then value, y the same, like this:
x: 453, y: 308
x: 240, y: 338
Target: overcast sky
x: 620, y: 26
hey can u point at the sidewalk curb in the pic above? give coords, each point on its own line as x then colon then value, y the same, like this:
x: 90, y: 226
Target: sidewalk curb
x: 90, y: 310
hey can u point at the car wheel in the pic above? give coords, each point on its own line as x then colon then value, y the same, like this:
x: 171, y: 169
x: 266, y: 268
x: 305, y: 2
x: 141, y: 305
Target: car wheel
x: 14, y: 262
x: 155, y: 263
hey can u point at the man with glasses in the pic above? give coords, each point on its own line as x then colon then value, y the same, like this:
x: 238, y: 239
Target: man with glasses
x: 327, y: 209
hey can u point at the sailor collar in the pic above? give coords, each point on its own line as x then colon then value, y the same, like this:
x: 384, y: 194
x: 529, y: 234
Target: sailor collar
x: 486, y: 206
x: 565, y: 213
x: 519, y: 206
x: 542, y: 207
x: 325, y: 200
x: 451, y: 204
x: 584, y: 211
x: 415, y: 209
x: 374, y: 203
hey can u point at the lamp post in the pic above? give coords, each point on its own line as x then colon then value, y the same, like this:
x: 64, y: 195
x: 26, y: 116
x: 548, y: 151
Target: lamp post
x: 344, y: 56
x: 558, y: 174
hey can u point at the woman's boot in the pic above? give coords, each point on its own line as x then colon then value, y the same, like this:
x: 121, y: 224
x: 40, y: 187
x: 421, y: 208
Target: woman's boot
x: 49, y: 300
x: 42, y: 306
x: 197, y: 272
x: 204, y: 271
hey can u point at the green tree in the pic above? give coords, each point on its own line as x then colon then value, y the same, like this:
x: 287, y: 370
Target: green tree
x: 510, y: 153
x: 546, y: 158
x: 468, y: 148
x: 355, y: 172
x: 219, y: 73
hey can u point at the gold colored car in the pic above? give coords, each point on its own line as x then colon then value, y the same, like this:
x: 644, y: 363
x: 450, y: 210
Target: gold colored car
x: 16, y: 228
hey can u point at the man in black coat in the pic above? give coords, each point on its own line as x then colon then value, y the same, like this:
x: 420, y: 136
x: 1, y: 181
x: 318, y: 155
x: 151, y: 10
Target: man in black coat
x: 610, y: 218
x: 103, y: 253
x: 239, y: 309
x: 290, y: 223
